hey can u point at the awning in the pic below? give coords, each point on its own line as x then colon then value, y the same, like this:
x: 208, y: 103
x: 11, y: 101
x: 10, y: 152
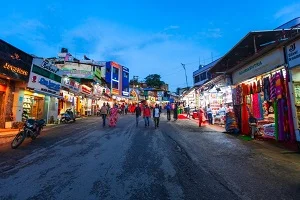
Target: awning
x: 251, y: 44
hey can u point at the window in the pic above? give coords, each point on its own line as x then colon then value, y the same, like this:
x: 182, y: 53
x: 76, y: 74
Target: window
x: 115, y: 70
x: 203, y: 76
x: 125, y: 75
x: 115, y: 85
x: 196, y: 79
x: 45, y: 73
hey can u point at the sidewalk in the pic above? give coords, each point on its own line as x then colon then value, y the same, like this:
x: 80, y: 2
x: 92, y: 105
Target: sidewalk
x: 7, y: 135
x: 266, y: 143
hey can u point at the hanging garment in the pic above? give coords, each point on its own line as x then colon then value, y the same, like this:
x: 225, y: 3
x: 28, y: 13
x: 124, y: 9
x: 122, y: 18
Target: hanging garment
x: 272, y: 88
x: 255, y: 106
x: 289, y: 110
x: 254, y: 87
x: 260, y: 103
x: 258, y: 86
x: 234, y: 97
x: 278, y: 86
x: 266, y: 89
x: 239, y: 93
x: 280, y: 107
x: 250, y: 88
x: 245, y: 129
x: 276, y: 119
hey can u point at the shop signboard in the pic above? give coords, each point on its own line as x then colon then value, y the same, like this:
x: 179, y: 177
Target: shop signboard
x: 125, y: 93
x: 14, y: 63
x: 46, y: 65
x: 98, y: 90
x: 97, y: 73
x: 71, y: 84
x: 114, y: 91
x: 45, y: 85
x: 293, y: 54
x: 85, y: 90
x: 76, y: 66
x: 260, y: 66
x: 78, y: 74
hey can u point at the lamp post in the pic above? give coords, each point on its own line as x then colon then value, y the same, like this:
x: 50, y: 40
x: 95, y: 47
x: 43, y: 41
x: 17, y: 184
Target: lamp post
x: 183, y: 65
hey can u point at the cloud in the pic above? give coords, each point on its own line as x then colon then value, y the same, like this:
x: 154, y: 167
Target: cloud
x: 142, y: 52
x: 210, y: 33
x: 290, y: 11
x: 172, y: 27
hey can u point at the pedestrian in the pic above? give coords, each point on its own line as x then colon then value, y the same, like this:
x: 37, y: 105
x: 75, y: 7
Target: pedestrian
x: 126, y: 109
x: 201, y: 117
x: 209, y: 114
x: 175, y: 112
x: 188, y: 112
x: 103, y: 113
x: 138, y: 112
x: 156, y: 115
x: 168, y: 107
x: 146, y: 115
x: 113, y: 116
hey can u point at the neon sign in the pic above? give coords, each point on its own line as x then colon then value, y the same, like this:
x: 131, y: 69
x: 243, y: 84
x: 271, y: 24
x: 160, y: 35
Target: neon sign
x: 15, y: 69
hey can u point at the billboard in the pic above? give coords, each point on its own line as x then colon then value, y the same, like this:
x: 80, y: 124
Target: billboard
x: 125, y: 81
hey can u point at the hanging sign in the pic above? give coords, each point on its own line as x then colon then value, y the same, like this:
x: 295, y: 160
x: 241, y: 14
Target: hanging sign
x: 85, y: 90
x: 70, y: 84
x: 260, y: 66
x: 293, y: 54
x: 40, y: 83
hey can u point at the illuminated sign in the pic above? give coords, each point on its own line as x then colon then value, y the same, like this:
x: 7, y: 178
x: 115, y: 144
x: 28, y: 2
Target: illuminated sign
x: 71, y: 84
x: 125, y: 93
x: 85, y: 89
x: 15, y: 69
x: 49, y: 84
x: 97, y: 72
x: 115, y: 91
x: 47, y: 65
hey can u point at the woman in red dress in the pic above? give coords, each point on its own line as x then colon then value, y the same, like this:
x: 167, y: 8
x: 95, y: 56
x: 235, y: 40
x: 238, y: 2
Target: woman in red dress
x: 113, y: 116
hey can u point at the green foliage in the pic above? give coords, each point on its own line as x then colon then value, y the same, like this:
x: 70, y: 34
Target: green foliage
x: 153, y: 80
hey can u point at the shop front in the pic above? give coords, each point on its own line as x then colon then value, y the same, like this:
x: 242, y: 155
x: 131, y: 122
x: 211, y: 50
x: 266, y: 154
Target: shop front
x: 217, y: 94
x: 293, y: 60
x: 43, y: 91
x: 14, y: 74
x: 69, y: 91
x: 85, y: 100
x: 260, y: 97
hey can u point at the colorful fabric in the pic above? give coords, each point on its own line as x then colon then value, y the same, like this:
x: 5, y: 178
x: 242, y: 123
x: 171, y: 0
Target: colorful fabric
x: 289, y: 110
x: 260, y: 103
x: 113, y: 117
x: 273, y: 88
x: 266, y: 88
x: 255, y: 106
x: 239, y: 93
x: 278, y: 86
x: 258, y: 86
x: 245, y: 129
x: 276, y: 120
x: 281, y: 135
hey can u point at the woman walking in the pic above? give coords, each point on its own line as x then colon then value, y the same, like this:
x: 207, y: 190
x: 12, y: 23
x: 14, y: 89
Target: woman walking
x: 113, y: 116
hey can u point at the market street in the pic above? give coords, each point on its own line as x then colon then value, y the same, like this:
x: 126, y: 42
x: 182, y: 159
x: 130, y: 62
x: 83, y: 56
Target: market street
x: 176, y: 161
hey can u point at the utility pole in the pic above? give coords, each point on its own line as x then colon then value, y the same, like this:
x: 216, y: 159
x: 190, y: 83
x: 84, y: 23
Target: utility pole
x: 183, y: 65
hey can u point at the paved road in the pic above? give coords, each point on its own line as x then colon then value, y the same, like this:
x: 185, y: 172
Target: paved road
x: 176, y: 161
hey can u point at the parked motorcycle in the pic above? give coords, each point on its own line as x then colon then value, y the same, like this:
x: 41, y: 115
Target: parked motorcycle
x: 32, y: 128
x: 68, y: 116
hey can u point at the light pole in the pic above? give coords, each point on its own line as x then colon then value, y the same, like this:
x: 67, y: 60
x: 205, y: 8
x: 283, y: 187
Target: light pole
x: 183, y: 65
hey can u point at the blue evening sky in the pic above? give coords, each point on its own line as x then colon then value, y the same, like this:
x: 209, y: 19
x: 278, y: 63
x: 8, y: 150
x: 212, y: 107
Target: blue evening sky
x: 147, y: 36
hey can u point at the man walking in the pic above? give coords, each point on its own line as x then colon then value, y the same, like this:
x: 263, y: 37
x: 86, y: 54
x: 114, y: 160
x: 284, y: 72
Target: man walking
x: 188, y: 112
x: 103, y: 113
x: 209, y: 114
x: 146, y: 115
x: 156, y: 115
x: 168, y: 107
x: 175, y: 112
x: 138, y: 112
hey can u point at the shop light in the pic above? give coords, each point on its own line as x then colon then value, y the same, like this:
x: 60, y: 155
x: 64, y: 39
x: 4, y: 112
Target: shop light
x: 35, y: 94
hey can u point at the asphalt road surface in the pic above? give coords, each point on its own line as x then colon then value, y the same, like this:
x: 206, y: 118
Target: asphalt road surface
x: 176, y: 161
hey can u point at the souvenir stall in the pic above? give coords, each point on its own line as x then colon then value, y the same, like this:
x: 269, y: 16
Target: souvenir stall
x: 218, y: 95
x: 260, y: 91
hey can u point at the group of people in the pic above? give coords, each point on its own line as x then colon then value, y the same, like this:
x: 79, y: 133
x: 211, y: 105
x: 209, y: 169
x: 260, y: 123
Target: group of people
x: 105, y: 110
x: 146, y: 111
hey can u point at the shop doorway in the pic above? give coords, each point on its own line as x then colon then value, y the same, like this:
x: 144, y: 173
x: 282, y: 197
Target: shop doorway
x: 34, y: 106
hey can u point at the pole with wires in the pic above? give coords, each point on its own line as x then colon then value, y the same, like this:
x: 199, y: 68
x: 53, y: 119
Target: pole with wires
x: 183, y: 65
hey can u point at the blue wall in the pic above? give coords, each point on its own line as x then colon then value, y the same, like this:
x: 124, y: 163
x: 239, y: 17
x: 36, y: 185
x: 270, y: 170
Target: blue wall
x: 125, y: 81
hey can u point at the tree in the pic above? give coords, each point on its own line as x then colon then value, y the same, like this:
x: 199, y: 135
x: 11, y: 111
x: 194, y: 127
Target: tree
x: 153, y: 80
x: 134, y: 82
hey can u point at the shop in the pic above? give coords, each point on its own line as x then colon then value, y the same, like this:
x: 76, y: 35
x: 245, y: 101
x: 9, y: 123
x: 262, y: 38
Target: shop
x: 85, y: 100
x: 43, y: 91
x: 260, y: 97
x: 14, y: 74
x: 217, y: 94
x: 293, y: 60
x: 69, y: 91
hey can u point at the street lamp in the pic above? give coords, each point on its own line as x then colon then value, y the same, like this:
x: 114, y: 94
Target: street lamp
x: 183, y: 65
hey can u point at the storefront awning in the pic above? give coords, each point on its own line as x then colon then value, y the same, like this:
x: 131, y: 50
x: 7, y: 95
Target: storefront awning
x: 251, y: 44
